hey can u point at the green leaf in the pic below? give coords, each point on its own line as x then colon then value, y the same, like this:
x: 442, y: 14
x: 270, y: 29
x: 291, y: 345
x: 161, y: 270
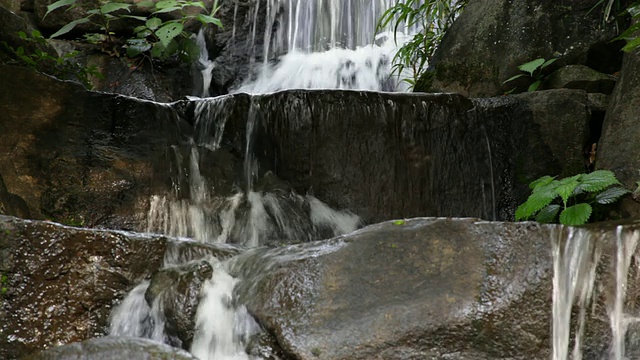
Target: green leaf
x: 36, y: 34
x: 598, y: 181
x: 22, y: 35
x: 611, y: 195
x: 576, y: 215
x: 513, y: 78
x: 141, y: 18
x: 531, y: 66
x: 543, y: 181
x: 145, y: 4
x: 153, y: 23
x: 566, y: 189
x: 168, y: 32
x: 157, y: 49
x: 168, y: 9
x: 166, y: 4
x: 136, y: 47
x: 536, y: 202
x: 57, y: 5
x: 548, y: 62
x: 113, y: 6
x: 399, y: 222
x: 533, y: 87
x: 206, y: 19
x: 548, y: 214
x: 65, y: 29
x: 631, y: 45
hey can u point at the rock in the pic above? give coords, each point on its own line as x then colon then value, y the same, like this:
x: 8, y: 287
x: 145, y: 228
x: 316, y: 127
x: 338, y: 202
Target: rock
x: 62, y: 282
x: 618, y: 148
x: 11, y: 5
x: 80, y: 157
x: 10, y: 25
x: 11, y: 204
x: 179, y: 288
x: 580, y: 77
x: 490, y: 39
x: 107, y: 348
x: 415, y: 154
x: 421, y: 289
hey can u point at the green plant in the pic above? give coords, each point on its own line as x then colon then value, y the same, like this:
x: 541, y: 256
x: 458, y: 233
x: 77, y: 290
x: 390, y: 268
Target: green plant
x: 533, y: 69
x: 433, y: 17
x: 630, y: 34
x: 573, y: 197
x: 65, y: 66
x: 157, y: 36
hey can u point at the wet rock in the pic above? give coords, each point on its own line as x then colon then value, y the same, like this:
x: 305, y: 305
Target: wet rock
x: 107, y: 348
x: 178, y: 289
x: 11, y: 204
x: 415, y: 154
x: 81, y: 157
x: 580, y: 77
x: 62, y: 282
x: 490, y: 40
x: 422, y: 289
x: 619, y: 149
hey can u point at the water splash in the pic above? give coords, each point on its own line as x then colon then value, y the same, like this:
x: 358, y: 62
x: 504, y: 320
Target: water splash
x: 575, y: 257
x: 326, y: 44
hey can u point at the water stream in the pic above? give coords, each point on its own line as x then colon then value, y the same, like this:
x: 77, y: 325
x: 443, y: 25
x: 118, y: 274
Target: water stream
x: 323, y: 44
x: 577, y: 253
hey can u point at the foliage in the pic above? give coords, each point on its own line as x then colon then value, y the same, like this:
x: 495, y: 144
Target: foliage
x: 63, y: 67
x: 432, y: 17
x: 630, y: 35
x: 609, y: 7
x: 533, y: 69
x: 573, y: 198
x: 156, y: 36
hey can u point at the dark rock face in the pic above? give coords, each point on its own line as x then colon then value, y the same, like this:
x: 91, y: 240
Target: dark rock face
x: 422, y: 289
x: 81, y: 157
x: 581, y: 77
x: 388, y: 156
x: 108, y: 348
x: 618, y: 148
x: 491, y: 39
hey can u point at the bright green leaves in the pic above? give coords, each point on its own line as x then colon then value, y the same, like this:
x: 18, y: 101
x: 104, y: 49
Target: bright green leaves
x: 576, y: 196
x: 533, y: 69
x: 432, y: 16
x: 576, y: 215
x: 155, y: 36
x: 631, y: 34
x: 168, y: 32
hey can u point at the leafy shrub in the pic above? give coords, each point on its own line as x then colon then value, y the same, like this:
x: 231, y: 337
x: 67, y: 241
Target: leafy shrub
x: 533, y: 69
x: 630, y: 35
x: 573, y: 198
x: 432, y: 16
x: 64, y: 67
x: 155, y: 36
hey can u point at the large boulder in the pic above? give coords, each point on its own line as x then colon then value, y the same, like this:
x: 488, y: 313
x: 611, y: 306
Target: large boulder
x: 80, y: 157
x: 619, y: 149
x: 431, y: 289
x: 60, y: 283
x: 107, y: 348
x: 490, y: 39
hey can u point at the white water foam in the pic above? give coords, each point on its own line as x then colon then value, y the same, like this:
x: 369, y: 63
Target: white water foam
x: 325, y: 44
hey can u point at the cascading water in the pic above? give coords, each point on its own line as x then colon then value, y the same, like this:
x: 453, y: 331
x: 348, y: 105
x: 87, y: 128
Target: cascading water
x: 576, y: 255
x: 325, y: 44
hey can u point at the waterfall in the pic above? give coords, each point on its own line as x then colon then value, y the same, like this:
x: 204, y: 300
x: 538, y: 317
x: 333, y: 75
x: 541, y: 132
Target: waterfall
x: 325, y: 44
x: 576, y: 255
x: 250, y: 216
